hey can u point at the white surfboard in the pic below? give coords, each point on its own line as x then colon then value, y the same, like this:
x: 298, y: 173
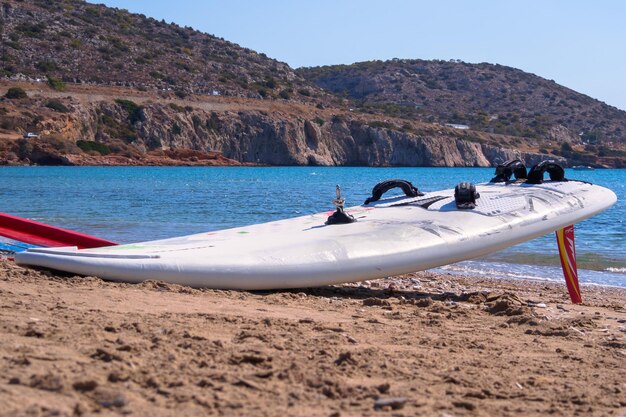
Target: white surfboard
x: 391, y: 236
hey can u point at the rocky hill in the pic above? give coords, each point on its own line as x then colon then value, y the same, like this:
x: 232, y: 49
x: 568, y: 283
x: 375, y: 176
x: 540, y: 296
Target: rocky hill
x: 104, y: 86
x: 79, y: 42
x: 486, y: 97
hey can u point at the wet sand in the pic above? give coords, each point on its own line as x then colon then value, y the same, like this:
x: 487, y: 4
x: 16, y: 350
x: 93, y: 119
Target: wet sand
x: 419, y: 344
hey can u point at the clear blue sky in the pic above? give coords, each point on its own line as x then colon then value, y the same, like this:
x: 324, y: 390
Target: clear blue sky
x: 579, y: 44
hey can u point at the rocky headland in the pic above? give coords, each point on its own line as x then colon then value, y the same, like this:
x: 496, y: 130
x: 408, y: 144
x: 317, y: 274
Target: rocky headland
x: 100, y: 85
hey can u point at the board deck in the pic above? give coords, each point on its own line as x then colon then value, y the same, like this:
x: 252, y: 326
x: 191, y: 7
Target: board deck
x: 392, y: 236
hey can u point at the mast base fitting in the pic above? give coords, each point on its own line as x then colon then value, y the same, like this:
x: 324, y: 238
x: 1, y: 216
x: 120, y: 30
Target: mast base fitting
x: 340, y: 217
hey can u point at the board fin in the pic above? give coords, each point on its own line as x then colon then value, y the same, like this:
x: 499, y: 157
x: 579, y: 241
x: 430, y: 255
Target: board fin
x: 567, y: 255
x: 40, y: 234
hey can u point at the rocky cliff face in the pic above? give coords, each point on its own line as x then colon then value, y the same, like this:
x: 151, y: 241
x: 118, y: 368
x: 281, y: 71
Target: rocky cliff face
x: 257, y: 136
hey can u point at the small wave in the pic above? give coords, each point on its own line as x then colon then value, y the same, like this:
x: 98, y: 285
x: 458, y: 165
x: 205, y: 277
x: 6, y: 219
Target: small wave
x: 457, y: 269
x: 611, y: 276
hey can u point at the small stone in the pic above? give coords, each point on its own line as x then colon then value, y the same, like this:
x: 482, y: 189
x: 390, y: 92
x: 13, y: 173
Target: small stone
x: 105, y: 356
x: 84, y: 386
x: 246, y: 383
x: 14, y: 381
x: 395, y: 403
x: 345, y: 357
x: 117, y: 377
x: 424, y: 302
x: 464, y: 404
x: 110, y: 399
x: 34, y: 333
x: 383, y: 388
x: 264, y: 374
x: 47, y: 382
x: 376, y: 302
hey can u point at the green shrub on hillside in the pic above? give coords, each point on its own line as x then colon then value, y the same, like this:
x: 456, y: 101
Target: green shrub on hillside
x: 169, y: 79
x: 56, y: 84
x: 56, y: 105
x: 14, y: 45
x: 604, y: 151
x: 118, y: 44
x: 195, y: 119
x: 384, y: 125
x: 115, y: 129
x: 270, y: 83
x: 91, y: 146
x: 176, y: 107
x: 46, y: 66
x: 7, y: 71
x: 213, y: 123
x: 133, y: 110
x: 16, y: 93
x: 33, y: 30
x: 60, y: 144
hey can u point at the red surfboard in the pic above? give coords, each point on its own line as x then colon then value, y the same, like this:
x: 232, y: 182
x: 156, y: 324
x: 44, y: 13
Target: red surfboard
x: 40, y: 234
x: 567, y: 254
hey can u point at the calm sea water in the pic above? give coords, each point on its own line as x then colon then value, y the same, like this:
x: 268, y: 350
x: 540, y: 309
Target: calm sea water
x: 127, y: 204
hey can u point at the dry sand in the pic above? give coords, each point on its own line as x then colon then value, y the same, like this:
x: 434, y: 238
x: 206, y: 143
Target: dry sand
x: 420, y: 344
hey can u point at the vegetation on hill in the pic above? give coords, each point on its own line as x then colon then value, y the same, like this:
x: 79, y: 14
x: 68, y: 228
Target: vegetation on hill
x: 486, y: 97
x: 75, y: 41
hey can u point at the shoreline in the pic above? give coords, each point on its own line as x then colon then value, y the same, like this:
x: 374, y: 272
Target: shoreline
x: 421, y: 343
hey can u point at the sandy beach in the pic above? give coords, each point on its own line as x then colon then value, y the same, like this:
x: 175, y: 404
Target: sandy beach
x: 419, y: 344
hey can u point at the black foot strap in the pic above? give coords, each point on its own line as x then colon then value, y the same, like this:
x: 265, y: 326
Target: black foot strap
x: 505, y: 171
x: 556, y: 172
x: 382, y: 187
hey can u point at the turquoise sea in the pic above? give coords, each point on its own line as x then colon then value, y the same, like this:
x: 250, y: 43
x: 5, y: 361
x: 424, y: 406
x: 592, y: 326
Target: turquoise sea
x: 128, y: 204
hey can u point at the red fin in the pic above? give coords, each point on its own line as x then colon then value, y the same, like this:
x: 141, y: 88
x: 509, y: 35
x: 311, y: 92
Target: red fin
x: 41, y: 234
x: 567, y: 254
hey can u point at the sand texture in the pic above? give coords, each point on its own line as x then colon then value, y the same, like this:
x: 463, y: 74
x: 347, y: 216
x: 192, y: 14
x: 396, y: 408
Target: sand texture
x: 420, y: 344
